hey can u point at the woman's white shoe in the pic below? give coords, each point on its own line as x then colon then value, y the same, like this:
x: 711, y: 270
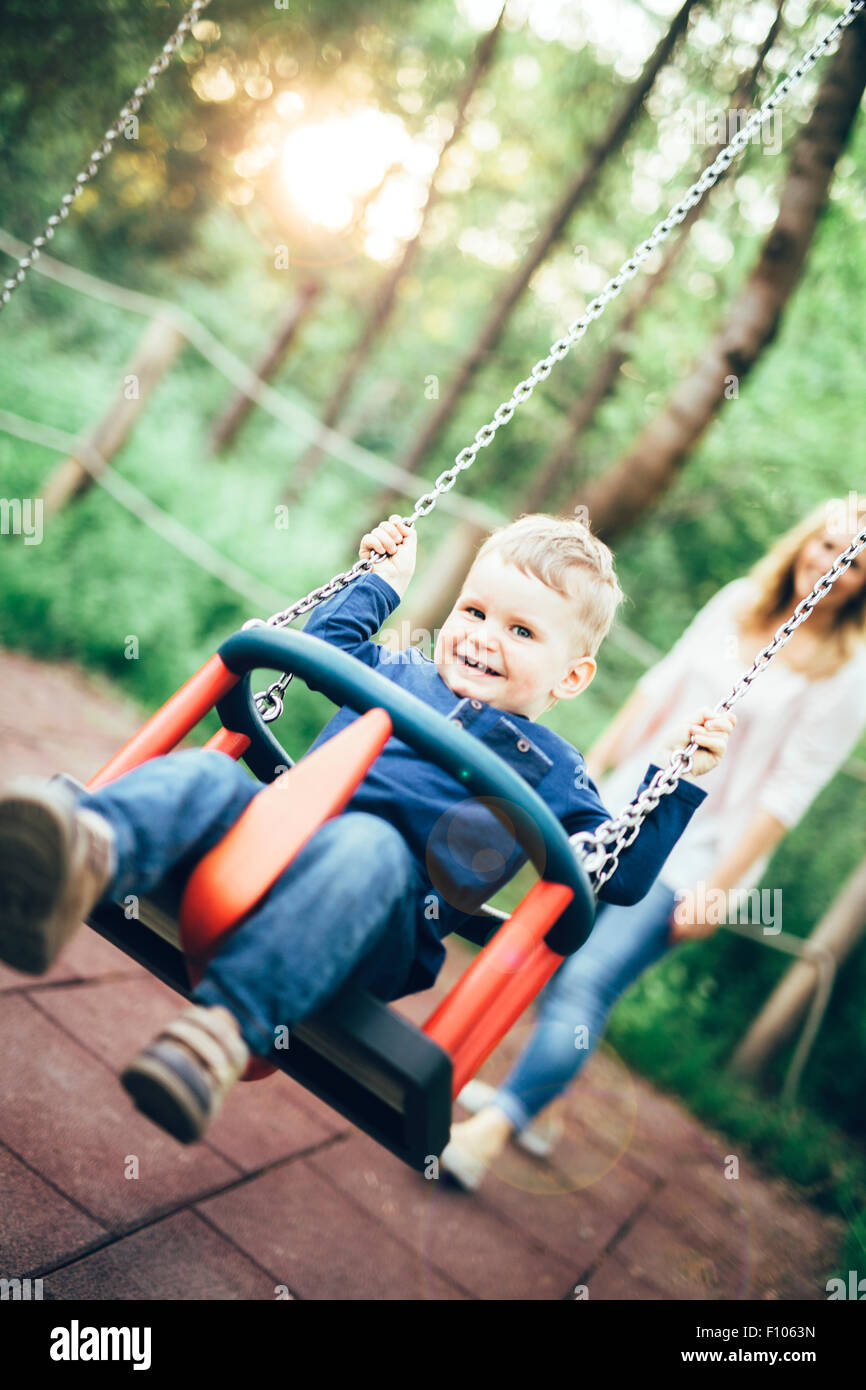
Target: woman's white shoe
x: 474, y: 1145
x: 538, y: 1139
x: 466, y: 1168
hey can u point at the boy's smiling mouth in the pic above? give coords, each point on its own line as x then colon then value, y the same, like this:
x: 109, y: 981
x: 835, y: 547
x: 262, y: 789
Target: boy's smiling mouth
x: 477, y: 666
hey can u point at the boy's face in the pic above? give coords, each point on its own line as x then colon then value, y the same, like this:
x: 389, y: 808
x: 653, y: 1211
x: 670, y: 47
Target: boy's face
x: 519, y: 634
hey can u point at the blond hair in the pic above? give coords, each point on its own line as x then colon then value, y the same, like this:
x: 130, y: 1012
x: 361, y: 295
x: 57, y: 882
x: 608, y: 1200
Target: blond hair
x: 773, y: 577
x: 552, y: 548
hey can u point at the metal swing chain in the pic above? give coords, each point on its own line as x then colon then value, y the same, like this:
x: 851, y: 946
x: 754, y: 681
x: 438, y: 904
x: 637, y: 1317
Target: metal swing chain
x: 600, y: 849
x: 91, y: 168
x: 619, y: 832
x: 270, y: 702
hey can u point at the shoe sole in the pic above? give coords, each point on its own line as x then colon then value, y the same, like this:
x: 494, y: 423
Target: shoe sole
x: 35, y: 849
x: 156, y: 1081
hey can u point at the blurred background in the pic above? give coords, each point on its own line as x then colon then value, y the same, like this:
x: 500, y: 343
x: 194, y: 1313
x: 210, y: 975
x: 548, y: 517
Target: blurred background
x: 388, y: 213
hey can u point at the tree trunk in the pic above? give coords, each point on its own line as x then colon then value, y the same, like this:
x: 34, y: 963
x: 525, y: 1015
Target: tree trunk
x: 156, y: 350
x: 575, y: 195
x: 440, y: 585
x: 557, y: 469
x: 838, y: 932
x: 623, y: 494
x: 240, y: 405
x: 380, y: 397
x: 385, y: 299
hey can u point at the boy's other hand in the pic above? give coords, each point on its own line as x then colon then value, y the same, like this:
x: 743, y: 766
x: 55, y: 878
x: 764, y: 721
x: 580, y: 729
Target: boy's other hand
x: 710, y: 732
x: 399, y: 542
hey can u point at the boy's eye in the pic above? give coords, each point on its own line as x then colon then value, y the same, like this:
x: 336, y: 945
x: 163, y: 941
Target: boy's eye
x: 519, y: 627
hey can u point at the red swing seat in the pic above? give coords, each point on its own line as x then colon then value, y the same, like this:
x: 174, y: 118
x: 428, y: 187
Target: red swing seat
x: 365, y: 1059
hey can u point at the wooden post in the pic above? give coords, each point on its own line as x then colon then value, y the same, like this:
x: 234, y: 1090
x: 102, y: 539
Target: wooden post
x: 157, y: 348
x: 838, y: 932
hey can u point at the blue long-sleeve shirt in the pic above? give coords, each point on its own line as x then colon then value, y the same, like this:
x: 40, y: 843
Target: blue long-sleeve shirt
x: 463, y: 852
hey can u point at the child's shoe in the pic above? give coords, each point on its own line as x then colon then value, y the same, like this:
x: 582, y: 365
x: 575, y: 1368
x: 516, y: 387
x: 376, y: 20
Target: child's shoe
x: 539, y: 1139
x: 181, y: 1079
x: 56, y: 861
x: 474, y: 1145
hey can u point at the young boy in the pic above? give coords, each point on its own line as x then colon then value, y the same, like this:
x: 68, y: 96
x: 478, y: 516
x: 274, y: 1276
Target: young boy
x: 373, y: 892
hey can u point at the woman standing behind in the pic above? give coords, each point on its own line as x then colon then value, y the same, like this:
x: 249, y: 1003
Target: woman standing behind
x: 796, y: 726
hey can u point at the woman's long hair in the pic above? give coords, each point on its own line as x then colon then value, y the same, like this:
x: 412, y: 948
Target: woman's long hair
x: 773, y: 577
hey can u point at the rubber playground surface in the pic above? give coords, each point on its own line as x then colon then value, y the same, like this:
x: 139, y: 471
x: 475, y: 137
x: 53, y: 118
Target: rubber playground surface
x: 285, y: 1198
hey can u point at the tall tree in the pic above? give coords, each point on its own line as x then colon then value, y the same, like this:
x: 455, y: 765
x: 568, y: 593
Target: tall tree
x: 575, y: 195
x: 238, y: 407
x: 642, y: 475
x: 433, y: 596
x: 548, y: 480
x: 386, y: 296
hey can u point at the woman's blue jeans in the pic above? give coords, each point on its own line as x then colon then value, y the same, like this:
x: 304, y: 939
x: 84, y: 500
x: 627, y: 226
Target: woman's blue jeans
x: 346, y: 906
x: 573, y: 1007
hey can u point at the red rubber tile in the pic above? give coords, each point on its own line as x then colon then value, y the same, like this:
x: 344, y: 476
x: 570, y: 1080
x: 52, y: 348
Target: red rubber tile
x: 259, y: 1123
x: 663, y: 1126
x: 37, y: 1225
x: 784, y: 1248
x: 617, y: 1279
x: 87, y: 957
x: 67, y: 1116
x: 681, y: 1264
x: 573, y: 1204
x: 13, y: 979
x: 315, y: 1238
x: 457, y: 1234
x: 180, y: 1258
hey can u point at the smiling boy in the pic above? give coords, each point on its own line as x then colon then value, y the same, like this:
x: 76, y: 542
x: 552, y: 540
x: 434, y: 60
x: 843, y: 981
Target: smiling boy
x: 373, y: 892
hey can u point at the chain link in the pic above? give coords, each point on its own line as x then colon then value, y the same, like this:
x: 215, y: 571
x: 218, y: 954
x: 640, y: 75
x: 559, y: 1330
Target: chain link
x: 91, y: 168
x: 600, y: 849
x: 560, y: 349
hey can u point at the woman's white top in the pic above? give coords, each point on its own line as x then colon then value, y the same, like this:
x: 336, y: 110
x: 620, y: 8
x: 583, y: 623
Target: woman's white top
x: 792, y: 735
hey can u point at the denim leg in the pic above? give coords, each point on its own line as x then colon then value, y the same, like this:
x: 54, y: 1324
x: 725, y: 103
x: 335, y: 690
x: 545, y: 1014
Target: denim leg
x: 168, y: 809
x: 624, y: 941
x: 346, y: 906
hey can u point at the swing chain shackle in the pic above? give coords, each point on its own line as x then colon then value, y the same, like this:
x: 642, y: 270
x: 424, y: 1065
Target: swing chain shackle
x: 266, y: 700
x: 105, y: 147
x: 600, y: 849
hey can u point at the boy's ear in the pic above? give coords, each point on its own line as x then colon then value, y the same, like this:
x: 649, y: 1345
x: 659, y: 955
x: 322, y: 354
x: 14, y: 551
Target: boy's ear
x: 576, y: 679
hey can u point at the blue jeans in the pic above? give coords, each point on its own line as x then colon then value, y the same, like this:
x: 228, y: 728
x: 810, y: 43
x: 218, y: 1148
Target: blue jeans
x: 574, y: 1005
x: 345, y: 907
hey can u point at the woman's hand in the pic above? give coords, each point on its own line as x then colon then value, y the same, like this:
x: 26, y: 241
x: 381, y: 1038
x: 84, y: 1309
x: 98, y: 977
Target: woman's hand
x: 710, y: 732
x: 399, y: 542
x: 688, y: 921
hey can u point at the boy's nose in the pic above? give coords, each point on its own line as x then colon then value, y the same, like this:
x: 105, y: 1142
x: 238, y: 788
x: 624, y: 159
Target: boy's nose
x: 481, y: 649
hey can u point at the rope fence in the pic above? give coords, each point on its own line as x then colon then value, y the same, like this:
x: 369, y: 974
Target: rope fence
x: 236, y: 371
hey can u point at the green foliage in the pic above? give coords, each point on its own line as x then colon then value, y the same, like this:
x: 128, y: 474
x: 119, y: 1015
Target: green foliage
x: 160, y: 218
